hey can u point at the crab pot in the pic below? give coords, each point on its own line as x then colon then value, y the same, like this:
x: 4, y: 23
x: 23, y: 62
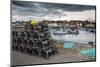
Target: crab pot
x: 27, y: 50
x: 31, y: 43
x: 26, y: 27
x: 14, y: 40
x: 48, y: 51
x: 45, y: 43
x: 28, y: 34
x: 22, y: 35
x: 21, y: 48
x: 14, y: 43
x: 25, y: 42
x: 44, y: 54
x: 43, y: 35
x: 19, y: 40
x: 35, y: 44
x: 34, y: 40
x: 15, y: 33
x: 43, y: 26
x: 30, y: 51
x: 16, y: 47
x: 35, y: 35
x: 39, y: 44
x: 31, y: 27
x: 35, y: 51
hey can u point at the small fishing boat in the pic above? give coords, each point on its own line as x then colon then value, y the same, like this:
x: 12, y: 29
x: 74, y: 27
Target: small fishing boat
x: 59, y: 33
x: 65, y: 32
x: 91, y: 30
x: 73, y: 32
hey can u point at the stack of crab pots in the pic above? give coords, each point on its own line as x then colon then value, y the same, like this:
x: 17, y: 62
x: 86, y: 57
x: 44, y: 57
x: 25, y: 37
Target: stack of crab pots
x: 34, y: 40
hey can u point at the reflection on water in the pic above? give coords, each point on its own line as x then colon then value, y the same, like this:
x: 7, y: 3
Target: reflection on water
x: 82, y: 37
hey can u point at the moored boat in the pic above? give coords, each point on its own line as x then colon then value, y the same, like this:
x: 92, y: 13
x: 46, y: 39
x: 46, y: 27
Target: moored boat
x: 66, y: 32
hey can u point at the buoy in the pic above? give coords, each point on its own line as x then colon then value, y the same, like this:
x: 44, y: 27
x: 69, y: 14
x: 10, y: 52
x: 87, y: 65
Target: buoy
x: 34, y: 22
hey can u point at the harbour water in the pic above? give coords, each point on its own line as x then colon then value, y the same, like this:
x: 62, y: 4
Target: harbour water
x: 83, y: 37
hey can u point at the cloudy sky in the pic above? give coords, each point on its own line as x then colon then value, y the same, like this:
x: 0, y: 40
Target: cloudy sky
x: 26, y: 10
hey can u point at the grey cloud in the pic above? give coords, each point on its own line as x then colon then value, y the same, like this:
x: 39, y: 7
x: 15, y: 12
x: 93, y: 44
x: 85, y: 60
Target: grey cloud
x: 26, y: 8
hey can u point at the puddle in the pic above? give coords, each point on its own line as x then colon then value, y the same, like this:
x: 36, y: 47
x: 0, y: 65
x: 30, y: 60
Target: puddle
x: 89, y: 52
x: 70, y: 45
